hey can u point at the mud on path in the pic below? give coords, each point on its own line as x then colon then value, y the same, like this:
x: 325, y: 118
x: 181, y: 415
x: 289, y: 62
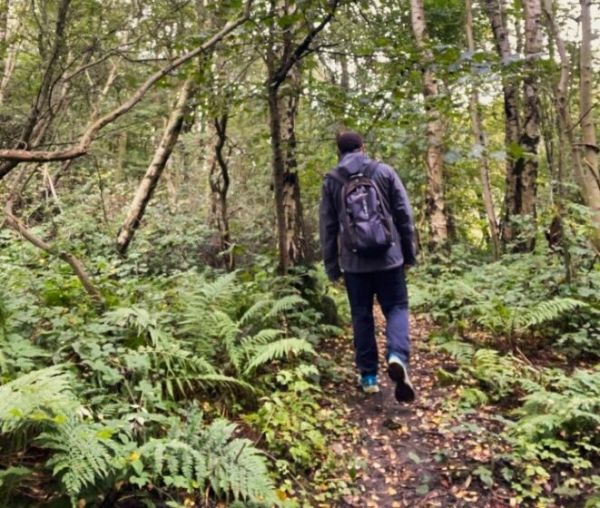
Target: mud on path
x: 411, y: 455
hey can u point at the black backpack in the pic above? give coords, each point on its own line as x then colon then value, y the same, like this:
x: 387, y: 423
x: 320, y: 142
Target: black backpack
x: 365, y: 222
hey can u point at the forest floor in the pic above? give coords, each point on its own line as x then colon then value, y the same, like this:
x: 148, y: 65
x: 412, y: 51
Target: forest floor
x: 422, y: 454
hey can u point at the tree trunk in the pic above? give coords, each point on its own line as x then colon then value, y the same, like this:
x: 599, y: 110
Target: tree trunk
x: 8, y: 56
x: 435, y: 132
x: 278, y: 163
x: 148, y: 184
x: 295, y: 243
x: 282, y: 65
x: 590, y: 177
x: 218, y: 180
x: 480, y: 140
x: 495, y: 11
x: 527, y: 165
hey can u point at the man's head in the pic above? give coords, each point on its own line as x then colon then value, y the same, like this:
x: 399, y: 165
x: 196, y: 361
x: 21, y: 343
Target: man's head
x: 348, y: 142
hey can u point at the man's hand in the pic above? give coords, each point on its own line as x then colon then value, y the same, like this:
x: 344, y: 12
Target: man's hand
x: 334, y: 274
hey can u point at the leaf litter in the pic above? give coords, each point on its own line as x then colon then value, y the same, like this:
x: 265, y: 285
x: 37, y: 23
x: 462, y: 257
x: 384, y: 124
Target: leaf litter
x: 417, y: 455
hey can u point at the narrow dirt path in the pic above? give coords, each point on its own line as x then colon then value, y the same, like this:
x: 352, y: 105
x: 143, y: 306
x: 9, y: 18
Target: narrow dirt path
x: 410, y: 455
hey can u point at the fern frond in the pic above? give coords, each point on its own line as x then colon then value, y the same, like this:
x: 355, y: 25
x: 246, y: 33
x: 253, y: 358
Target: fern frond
x: 171, y: 458
x: 257, y: 312
x: 262, y: 337
x: 545, y: 312
x: 285, y: 304
x: 221, y: 381
x: 219, y: 290
x: 462, y: 352
x: 229, y: 465
x: 40, y: 395
x: 279, y: 349
x: 238, y: 467
x: 83, y: 453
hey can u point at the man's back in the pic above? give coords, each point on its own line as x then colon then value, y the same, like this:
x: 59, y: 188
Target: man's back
x: 396, y: 201
x: 366, y: 276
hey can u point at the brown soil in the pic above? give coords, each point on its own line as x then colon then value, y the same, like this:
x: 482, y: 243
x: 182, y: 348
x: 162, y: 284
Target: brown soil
x: 412, y: 455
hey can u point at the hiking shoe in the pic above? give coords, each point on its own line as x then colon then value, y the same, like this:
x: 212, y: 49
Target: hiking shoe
x: 398, y: 372
x: 368, y: 383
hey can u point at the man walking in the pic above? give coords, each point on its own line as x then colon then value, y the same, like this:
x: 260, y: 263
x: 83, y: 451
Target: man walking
x: 367, y: 235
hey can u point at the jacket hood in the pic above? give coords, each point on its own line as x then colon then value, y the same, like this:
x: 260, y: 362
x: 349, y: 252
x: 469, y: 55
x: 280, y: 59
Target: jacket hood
x: 353, y: 162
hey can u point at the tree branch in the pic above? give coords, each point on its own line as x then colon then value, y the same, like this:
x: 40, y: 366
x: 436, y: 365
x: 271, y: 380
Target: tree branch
x: 68, y: 258
x: 302, y: 48
x: 82, y: 147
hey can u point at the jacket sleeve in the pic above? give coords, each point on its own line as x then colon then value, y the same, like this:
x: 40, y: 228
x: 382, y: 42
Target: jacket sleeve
x: 403, y: 219
x: 328, y: 230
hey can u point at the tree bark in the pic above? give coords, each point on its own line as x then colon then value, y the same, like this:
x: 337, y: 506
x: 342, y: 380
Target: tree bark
x: 295, y: 243
x: 282, y: 56
x: 512, y: 138
x: 159, y: 161
x: 438, y: 223
x: 481, y: 141
x: 590, y: 177
x: 527, y: 165
x: 219, y: 181
x: 8, y: 59
x: 278, y: 164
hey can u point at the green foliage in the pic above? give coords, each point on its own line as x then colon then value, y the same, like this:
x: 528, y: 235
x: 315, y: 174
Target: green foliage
x: 518, y: 297
x: 42, y: 395
x: 165, y: 347
x: 83, y: 453
x: 549, y: 417
x: 188, y: 459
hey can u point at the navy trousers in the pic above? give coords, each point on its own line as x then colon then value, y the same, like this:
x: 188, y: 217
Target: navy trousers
x: 392, y: 295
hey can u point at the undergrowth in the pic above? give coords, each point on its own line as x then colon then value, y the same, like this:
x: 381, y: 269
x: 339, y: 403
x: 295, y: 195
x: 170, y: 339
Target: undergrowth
x: 167, y: 397
x: 526, y: 342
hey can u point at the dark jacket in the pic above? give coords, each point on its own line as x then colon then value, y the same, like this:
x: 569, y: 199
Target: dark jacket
x: 335, y: 254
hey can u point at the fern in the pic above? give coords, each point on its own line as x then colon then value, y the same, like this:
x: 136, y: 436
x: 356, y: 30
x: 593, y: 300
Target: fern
x: 279, y: 349
x: 44, y: 394
x: 285, y: 304
x: 499, y: 373
x: 176, y: 368
x: 83, y: 453
x: 545, y: 312
x: 175, y: 463
x: 191, y: 459
x: 461, y: 351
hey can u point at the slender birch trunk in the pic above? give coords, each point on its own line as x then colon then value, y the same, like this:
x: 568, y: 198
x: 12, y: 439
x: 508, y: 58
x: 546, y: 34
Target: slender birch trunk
x: 527, y: 165
x: 292, y: 202
x: 480, y: 140
x: 438, y: 223
x: 590, y: 177
x: 282, y: 65
x: 496, y: 13
x: 155, y: 169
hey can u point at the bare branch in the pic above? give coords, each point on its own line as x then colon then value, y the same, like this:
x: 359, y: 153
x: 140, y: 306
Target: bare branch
x: 68, y: 258
x: 302, y: 48
x: 17, y: 155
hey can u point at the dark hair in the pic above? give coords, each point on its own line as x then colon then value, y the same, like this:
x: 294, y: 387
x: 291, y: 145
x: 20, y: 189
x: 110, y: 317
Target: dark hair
x: 349, y: 141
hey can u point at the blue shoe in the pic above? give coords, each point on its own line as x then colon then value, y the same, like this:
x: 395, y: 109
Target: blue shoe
x: 368, y: 383
x: 398, y: 372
